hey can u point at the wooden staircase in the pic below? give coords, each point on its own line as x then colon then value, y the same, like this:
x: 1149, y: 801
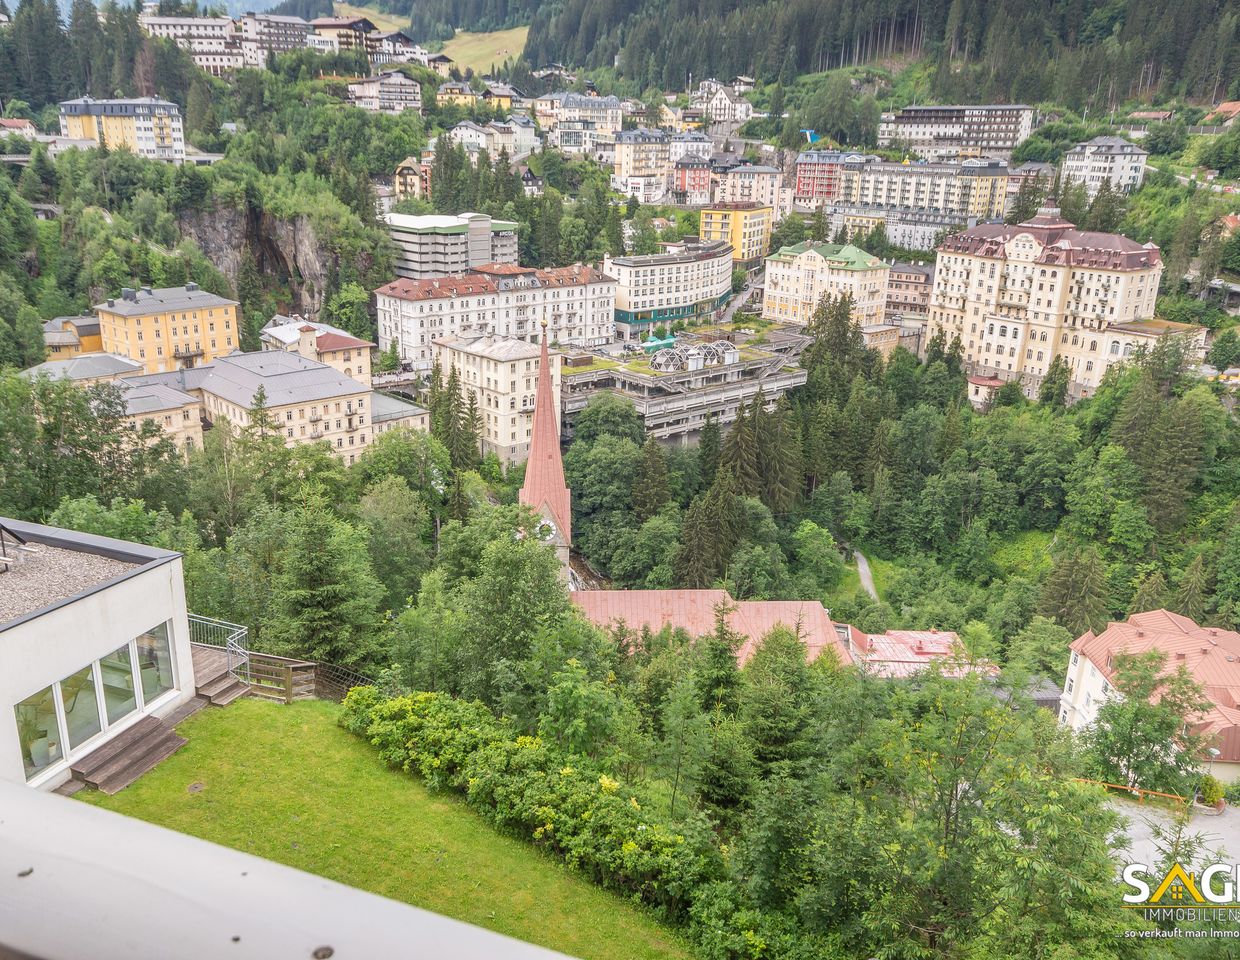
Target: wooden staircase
x: 119, y: 762
x: 211, y: 677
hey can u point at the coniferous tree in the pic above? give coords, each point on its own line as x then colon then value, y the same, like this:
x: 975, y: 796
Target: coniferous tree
x: 1150, y: 595
x: 1053, y: 390
x: 709, y: 450
x: 739, y: 458
x: 1075, y: 593
x: 1190, y: 598
x: 650, y: 485
x: 782, y: 464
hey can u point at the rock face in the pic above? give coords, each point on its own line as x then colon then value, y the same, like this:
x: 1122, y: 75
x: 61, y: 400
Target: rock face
x: 286, y: 250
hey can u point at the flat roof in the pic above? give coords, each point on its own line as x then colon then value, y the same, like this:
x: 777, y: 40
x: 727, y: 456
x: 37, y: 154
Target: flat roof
x: 60, y: 566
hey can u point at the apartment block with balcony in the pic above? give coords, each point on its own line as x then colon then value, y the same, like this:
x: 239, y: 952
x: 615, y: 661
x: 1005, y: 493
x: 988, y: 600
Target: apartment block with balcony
x: 757, y: 184
x: 1110, y: 160
x: 435, y: 245
x: 502, y: 375
x: 1019, y: 295
x: 214, y: 43
x: 690, y: 281
x: 169, y: 327
x: 908, y: 292
x: 501, y: 300
x: 147, y: 126
x: 691, y: 180
x: 605, y: 114
x: 390, y: 92
x: 266, y: 33
x: 957, y: 131
x: 746, y: 226
x: 412, y: 179
x: 799, y: 276
x: 641, y: 164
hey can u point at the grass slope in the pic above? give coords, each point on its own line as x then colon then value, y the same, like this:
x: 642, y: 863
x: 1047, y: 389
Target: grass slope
x: 287, y: 784
x: 481, y: 50
x: 384, y: 21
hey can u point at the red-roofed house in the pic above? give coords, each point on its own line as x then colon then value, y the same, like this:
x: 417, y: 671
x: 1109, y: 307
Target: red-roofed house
x: 1225, y: 113
x: 694, y: 612
x: 903, y: 653
x: 1210, y: 654
x: 337, y: 348
x: 13, y: 126
x: 982, y: 391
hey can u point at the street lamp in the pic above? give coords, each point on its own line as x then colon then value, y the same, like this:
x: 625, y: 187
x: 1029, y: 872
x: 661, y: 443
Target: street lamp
x: 1213, y: 752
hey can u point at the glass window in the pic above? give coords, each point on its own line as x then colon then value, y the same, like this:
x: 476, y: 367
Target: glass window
x: 116, y: 671
x: 81, y: 700
x: 155, y: 662
x: 38, y: 732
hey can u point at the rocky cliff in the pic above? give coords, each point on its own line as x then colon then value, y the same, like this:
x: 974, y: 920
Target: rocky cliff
x: 286, y: 252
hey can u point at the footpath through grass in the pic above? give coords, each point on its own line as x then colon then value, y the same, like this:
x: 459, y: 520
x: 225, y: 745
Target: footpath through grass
x: 287, y: 784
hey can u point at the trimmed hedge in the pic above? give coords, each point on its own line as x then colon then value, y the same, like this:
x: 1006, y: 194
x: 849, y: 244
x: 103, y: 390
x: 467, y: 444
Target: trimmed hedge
x: 562, y: 803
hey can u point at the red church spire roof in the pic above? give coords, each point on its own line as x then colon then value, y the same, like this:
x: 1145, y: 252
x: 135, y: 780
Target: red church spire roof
x: 544, y: 488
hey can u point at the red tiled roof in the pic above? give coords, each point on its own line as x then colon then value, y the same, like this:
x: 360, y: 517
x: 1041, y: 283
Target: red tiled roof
x: 336, y: 341
x: 985, y: 381
x: 13, y: 123
x: 444, y: 287
x: 545, y: 488
x: 1211, y: 655
x: 694, y: 612
x: 903, y: 653
x: 1062, y: 244
x: 1224, y: 111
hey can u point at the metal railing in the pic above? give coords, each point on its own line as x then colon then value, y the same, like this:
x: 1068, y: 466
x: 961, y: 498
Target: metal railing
x: 231, y: 637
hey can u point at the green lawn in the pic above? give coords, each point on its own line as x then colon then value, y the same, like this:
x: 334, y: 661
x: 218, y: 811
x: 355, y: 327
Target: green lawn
x: 482, y: 50
x: 883, y: 571
x: 287, y: 784
x: 384, y: 21
x: 1024, y: 554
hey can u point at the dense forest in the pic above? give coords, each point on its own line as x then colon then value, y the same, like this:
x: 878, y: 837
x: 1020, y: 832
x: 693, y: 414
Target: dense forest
x: 1074, y: 53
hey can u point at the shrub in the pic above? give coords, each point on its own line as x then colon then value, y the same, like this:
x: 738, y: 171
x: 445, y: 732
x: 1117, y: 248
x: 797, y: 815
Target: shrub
x: 1211, y: 791
x: 529, y: 787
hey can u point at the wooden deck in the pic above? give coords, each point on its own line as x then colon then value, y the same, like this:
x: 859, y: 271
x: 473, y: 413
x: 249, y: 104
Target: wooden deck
x: 119, y: 762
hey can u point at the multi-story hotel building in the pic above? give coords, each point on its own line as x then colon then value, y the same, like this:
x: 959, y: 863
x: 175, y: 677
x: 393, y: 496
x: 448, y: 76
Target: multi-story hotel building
x: 502, y: 374
x: 605, y: 113
x: 746, y: 226
x: 344, y: 34
x: 169, y: 327
x: 413, y: 179
x: 691, y: 180
x: 949, y: 132
x: 908, y: 291
x: 972, y: 189
x: 689, y: 282
x: 641, y: 153
x: 757, y: 184
x: 1111, y: 160
x: 306, y: 401
x: 689, y: 143
x: 148, y: 126
x: 389, y: 92
x: 214, y: 43
x: 577, y: 304
x: 322, y: 342
x: 798, y: 277
x: 440, y: 246
x: 264, y: 33
x: 1018, y: 296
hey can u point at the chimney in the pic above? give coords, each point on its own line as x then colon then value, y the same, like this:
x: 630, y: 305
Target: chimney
x: 127, y: 293
x: 191, y: 288
x: 111, y: 302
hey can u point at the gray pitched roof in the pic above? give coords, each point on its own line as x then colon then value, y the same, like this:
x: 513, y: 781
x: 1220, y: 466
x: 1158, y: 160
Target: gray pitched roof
x: 133, y: 303
x: 285, y: 377
x: 152, y: 397
x: 88, y: 366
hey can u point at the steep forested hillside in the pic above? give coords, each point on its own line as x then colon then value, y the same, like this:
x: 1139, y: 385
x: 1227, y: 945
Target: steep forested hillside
x: 1071, y: 51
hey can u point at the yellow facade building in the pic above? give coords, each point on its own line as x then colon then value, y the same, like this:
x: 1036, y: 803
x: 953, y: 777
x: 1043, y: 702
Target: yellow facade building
x: 745, y: 225
x: 169, y: 328
x: 147, y: 126
x: 67, y: 337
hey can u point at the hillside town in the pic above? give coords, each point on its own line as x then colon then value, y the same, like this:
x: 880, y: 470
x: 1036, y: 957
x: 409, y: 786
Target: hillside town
x: 611, y: 507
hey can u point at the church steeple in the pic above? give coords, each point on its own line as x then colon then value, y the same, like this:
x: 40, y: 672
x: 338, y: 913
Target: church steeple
x: 545, y: 489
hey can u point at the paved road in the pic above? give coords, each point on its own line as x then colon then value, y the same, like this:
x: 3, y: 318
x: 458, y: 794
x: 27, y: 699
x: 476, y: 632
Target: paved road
x: 1221, y: 833
x: 863, y: 571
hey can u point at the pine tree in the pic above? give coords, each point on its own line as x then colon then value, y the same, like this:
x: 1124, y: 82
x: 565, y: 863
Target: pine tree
x: 782, y: 464
x: 650, y: 486
x: 1053, y: 390
x: 324, y: 599
x: 1150, y: 595
x: 1075, y: 593
x: 709, y: 450
x: 739, y: 458
x: 1190, y: 598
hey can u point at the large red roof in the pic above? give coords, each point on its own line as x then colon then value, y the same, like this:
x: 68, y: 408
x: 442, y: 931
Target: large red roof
x: 336, y: 341
x: 1210, y: 654
x: 694, y: 612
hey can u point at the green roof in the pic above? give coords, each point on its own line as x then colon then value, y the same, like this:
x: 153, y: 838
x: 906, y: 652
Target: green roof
x: 842, y: 255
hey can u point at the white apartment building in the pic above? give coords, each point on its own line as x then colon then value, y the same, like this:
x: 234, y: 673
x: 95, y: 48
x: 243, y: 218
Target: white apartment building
x: 950, y: 132
x: 148, y: 126
x: 1102, y: 160
x: 725, y: 106
x: 438, y: 246
x: 798, y: 277
x: 759, y: 184
x: 389, y: 92
x: 516, y: 135
x: 212, y: 42
x: 690, y: 143
x: 689, y: 282
x: 264, y: 33
x: 1019, y: 295
x: 641, y: 153
x: 502, y: 374
x: 605, y: 113
x: 1211, y: 656
x: 94, y: 639
x: 502, y: 300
